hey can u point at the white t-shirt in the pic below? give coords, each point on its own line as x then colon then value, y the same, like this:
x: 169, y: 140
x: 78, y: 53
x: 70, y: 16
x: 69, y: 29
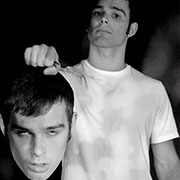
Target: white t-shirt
x: 119, y: 115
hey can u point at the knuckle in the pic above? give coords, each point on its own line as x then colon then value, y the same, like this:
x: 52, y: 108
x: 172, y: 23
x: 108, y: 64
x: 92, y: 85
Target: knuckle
x: 43, y: 48
x: 26, y: 52
x: 36, y: 48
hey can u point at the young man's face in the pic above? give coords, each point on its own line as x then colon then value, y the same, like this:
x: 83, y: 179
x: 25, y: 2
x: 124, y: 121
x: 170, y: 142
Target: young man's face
x: 109, y: 23
x: 38, y: 143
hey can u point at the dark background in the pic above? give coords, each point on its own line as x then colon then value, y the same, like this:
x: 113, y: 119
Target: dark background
x: 62, y: 24
x: 155, y: 49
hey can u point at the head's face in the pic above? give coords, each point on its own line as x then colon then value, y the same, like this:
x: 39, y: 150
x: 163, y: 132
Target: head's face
x: 109, y: 23
x: 38, y: 143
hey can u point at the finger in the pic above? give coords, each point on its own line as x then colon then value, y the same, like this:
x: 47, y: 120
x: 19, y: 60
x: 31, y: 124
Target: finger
x: 40, y: 59
x: 57, y: 65
x: 27, y: 55
x: 51, y: 56
x: 33, y: 55
x: 51, y: 70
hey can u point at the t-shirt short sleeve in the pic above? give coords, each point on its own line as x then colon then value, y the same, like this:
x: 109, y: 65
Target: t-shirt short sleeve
x: 164, y: 128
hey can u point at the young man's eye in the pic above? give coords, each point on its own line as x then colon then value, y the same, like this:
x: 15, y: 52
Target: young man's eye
x: 116, y: 16
x: 97, y: 13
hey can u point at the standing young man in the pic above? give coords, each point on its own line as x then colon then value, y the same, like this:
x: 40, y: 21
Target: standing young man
x: 121, y: 111
x: 36, y: 118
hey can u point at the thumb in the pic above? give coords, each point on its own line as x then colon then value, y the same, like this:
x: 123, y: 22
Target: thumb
x: 51, y: 56
x: 51, y: 70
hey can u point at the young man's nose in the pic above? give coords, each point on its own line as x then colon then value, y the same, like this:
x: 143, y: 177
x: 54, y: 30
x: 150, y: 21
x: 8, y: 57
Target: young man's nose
x: 38, y: 147
x: 104, y: 20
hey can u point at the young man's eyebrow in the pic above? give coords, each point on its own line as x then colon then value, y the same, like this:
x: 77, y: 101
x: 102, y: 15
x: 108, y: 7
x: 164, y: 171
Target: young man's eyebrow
x: 118, y: 9
x: 98, y: 7
x: 112, y: 7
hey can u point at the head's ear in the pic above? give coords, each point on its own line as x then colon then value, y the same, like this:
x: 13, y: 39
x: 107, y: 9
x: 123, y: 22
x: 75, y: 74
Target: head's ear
x: 2, y: 125
x: 74, y: 119
x: 132, y: 29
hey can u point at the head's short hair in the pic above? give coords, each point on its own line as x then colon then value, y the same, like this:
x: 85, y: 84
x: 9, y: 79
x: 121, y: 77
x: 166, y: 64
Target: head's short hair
x: 32, y: 93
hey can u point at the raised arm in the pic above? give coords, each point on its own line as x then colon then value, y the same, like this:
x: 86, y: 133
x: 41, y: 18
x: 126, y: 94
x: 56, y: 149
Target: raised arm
x: 43, y: 56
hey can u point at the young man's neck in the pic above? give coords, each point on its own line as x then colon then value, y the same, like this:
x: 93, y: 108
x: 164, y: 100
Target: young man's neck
x: 107, y: 59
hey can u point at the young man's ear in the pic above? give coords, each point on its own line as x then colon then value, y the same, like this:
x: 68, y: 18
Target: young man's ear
x: 2, y: 125
x: 132, y: 29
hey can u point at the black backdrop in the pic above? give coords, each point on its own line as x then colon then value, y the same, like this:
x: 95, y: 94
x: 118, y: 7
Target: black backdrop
x: 62, y: 25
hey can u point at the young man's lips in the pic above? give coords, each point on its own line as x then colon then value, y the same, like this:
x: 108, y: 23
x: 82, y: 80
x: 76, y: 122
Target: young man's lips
x: 38, y: 167
x: 103, y: 31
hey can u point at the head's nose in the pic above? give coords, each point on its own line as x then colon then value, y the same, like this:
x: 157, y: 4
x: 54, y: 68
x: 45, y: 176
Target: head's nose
x: 38, y: 146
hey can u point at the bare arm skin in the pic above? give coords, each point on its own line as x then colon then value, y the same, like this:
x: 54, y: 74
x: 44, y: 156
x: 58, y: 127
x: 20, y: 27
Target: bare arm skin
x: 166, y: 161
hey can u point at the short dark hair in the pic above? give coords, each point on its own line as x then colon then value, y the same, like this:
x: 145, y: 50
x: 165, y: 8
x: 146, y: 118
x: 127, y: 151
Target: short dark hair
x: 32, y: 94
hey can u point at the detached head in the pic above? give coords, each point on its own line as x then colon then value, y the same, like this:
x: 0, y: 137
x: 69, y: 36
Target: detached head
x: 37, y: 117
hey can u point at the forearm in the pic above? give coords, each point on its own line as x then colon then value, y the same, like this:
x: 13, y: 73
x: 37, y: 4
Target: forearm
x: 169, y: 173
x: 166, y: 161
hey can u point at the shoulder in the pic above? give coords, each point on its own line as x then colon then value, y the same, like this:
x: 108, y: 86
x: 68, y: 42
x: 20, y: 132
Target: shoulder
x: 76, y: 69
x: 74, y: 74
x: 144, y: 80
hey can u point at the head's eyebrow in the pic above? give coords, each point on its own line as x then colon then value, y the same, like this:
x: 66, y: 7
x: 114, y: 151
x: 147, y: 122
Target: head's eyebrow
x: 59, y: 126
x: 15, y: 126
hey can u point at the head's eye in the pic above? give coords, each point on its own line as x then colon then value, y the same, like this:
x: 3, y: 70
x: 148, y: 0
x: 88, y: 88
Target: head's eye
x: 22, y: 133
x: 52, y: 133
